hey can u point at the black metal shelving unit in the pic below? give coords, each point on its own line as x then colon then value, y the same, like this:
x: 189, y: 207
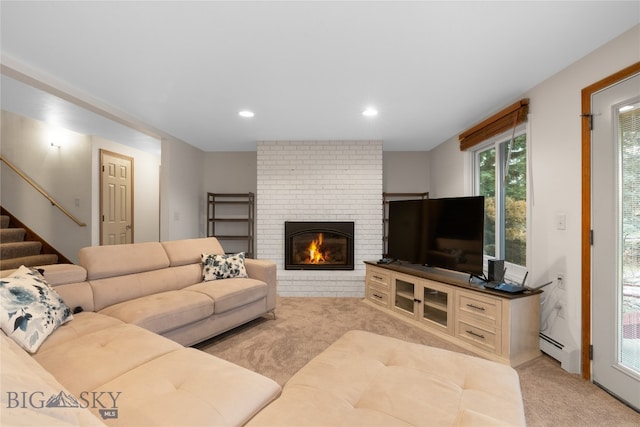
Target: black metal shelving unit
x: 230, y: 217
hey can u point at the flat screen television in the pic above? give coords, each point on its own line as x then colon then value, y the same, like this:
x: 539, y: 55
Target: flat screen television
x: 446, y: 233
x: 455, y: 234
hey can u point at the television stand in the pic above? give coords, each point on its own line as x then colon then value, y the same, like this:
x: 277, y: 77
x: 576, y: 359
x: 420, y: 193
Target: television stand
x: 497, y: 325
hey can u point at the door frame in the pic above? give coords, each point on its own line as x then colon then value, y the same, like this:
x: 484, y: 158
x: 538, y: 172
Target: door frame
x: 587, y: 92
x: 101, y: 171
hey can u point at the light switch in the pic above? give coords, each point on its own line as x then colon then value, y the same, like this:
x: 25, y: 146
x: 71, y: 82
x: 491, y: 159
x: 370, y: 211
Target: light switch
x: 561, y: 221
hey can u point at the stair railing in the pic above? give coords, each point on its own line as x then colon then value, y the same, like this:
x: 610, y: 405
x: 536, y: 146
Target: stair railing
x: 42, y: 191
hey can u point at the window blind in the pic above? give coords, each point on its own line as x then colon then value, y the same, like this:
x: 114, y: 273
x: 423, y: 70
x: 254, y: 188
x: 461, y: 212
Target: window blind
x: 500, y: 122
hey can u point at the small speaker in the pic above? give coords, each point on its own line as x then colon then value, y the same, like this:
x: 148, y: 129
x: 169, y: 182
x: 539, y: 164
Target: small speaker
x: 496, y: 270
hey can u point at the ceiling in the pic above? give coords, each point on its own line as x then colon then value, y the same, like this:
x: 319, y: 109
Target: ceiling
x: 307, y: 69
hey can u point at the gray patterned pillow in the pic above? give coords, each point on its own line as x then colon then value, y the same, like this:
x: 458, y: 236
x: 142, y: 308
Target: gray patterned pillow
x: 223, y: 266
x: 31, y: 309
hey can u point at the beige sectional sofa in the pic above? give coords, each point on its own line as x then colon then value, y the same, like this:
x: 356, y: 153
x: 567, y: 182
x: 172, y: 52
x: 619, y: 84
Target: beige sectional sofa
x: 159, y: 286
x: 122, y: 356
x: 121, y: 360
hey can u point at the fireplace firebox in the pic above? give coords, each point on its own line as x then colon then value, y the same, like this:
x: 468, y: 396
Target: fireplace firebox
x: 312, y: 245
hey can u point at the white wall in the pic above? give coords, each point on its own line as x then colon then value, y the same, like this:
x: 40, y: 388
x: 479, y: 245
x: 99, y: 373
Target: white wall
x: 64, y: 172
x: 555, y: 149
x: 230, y: 172
x: 447, y: 174
x: 182, y: 198
x: 405, y: 171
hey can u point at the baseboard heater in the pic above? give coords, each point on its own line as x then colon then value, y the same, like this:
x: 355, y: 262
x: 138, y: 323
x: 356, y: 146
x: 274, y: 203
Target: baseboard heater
x: 568, y: 357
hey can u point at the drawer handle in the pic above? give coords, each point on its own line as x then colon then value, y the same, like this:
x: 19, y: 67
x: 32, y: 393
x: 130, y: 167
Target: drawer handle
x: 378, y: 277
x: 476, y: 335
x: 377, y: 296
x: 476, y: 307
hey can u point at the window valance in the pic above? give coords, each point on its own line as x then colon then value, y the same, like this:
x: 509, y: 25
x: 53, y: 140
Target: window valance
x: 500, y: 122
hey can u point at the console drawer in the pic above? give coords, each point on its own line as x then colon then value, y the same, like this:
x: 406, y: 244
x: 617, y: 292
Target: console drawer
x: 378, y: 277
x: 478, y: 336
x: 479, y: 309
x: 378, y: 295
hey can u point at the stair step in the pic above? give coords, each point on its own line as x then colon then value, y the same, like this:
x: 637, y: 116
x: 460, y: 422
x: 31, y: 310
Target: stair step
x: 4, y: 221
x: 19, y: 249
x: 29, y: 261
x: 12, y: 235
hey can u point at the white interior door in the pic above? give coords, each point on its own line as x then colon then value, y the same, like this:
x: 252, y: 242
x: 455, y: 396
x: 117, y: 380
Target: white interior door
x: 615, y: 213
x: 116, y: 198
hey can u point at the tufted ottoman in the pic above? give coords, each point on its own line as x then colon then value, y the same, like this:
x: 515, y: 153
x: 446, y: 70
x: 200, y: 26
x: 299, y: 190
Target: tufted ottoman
x: 366, y: 379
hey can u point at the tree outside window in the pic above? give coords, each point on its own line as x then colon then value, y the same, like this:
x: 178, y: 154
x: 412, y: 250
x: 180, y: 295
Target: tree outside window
x: 502, y: 182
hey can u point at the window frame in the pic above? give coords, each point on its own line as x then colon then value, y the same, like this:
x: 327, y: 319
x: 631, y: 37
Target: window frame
x: 515, y: 273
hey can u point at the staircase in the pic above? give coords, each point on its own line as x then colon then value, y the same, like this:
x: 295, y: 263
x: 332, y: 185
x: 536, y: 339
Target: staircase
x: 18, y: 247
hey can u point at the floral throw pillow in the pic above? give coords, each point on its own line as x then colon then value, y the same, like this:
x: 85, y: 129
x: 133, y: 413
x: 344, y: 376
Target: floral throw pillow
x: 31, y: 309
x: 223, y: 266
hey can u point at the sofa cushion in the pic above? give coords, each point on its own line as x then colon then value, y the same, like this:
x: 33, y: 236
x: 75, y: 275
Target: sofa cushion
x: 188, y: 387
x: 76, y: 295
x: 119, y: 260
x: 31, y: 310
x: 223, y: 266
x: 83, y: 323
x: 163, y: 311
x: 229, y: 294
x: 22, y: 376
x: 188, y: 251
x: 368, y: 379
x: 92, y: 359
x: 114, y: 290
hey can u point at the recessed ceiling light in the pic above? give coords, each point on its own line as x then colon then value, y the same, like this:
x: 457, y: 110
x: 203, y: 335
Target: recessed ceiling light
x: 370, y: 112
x: 246, y: 113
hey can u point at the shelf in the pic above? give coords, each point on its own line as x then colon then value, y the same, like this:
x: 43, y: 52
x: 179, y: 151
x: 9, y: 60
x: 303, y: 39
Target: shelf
x: 436, y: 315
x: 405, y: 305
x: 230, y: 217
x: 436, y: 299
x: 435, y: 305
x: 405, y: 295
x: 220, y: 236
x: 230, y: 202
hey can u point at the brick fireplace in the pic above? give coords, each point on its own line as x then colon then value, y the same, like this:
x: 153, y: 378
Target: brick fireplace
x: 319, y: 181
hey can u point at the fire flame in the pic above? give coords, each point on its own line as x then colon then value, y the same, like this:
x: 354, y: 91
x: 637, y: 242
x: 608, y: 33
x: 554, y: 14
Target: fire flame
x: 316, y: 254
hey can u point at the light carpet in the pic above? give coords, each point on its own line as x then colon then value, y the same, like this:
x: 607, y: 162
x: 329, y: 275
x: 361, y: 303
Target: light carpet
x: 304, y: 327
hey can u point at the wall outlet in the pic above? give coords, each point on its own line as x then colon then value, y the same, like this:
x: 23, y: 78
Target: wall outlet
x: 560, y: 281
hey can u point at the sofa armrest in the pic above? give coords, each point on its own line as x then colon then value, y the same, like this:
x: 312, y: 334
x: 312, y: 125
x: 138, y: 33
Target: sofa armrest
x: 265, y: 271
x: 261, y: 270
x: 69, y: 281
